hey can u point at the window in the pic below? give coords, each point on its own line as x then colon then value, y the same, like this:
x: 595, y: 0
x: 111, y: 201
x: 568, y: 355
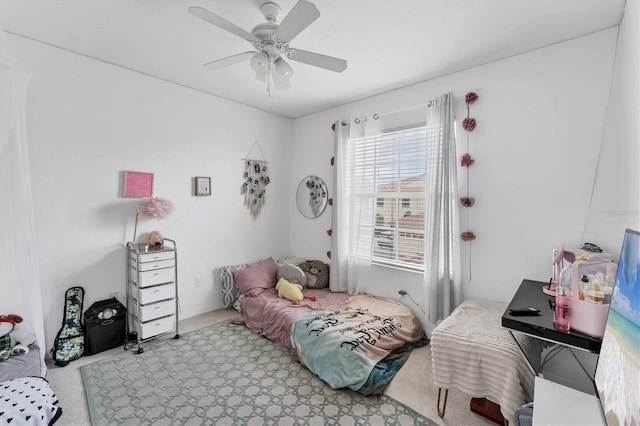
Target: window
x: 385, y: 185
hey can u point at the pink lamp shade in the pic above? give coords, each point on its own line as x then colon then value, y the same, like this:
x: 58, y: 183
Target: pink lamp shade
x: 155, y: 208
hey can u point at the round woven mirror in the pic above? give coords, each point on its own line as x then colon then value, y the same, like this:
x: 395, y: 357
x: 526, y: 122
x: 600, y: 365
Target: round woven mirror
x: 312, y: 196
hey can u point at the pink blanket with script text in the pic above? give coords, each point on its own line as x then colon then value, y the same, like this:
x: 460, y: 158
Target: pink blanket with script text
x: 273, y: 317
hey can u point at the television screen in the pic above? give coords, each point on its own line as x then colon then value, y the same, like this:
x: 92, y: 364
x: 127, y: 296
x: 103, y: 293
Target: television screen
x: 617, y: 375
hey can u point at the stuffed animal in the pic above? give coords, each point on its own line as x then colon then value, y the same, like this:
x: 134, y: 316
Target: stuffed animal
x: 155, y: 239
x: 14, y: 339
x: 317, y: 273
x: 7, y: 324
x: 292, y: 273
x: 290, y: 291
x: 21, y: 338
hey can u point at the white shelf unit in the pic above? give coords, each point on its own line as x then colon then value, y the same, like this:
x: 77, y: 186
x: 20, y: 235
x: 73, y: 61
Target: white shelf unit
x: 152, y: 291
x: 555, y: 404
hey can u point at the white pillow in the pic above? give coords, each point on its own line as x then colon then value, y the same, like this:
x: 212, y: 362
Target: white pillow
x: 292, y: 273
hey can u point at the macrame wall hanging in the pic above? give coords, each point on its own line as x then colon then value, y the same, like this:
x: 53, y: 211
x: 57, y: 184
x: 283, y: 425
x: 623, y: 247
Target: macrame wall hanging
x: 468, y: 124
x: 256, y: 179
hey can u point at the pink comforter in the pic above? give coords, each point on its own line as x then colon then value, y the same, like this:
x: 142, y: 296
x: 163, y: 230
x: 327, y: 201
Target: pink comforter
x: 273, y: 317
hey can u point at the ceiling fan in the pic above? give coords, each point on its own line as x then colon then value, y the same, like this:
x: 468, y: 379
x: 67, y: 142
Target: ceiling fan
x: 271, y: 43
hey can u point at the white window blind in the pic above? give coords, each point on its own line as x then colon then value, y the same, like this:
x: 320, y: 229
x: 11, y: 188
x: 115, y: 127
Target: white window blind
x: 385, y: 186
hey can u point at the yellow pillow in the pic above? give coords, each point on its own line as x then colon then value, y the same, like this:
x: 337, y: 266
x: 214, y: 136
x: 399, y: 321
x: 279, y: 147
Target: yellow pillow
x: 289, y: 291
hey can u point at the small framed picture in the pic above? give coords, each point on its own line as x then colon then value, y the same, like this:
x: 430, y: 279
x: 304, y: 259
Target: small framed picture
x: 137, y: 184
x: 203, y: 186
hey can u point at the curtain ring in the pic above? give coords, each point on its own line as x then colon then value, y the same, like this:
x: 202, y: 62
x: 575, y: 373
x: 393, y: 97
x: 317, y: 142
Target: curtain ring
x: 376, y: 116
x: 344, y: 123
x: 357, y: 121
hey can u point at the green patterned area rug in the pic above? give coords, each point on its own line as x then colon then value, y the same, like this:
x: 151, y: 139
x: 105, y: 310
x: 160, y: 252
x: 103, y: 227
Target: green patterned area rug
x: 225, y: 374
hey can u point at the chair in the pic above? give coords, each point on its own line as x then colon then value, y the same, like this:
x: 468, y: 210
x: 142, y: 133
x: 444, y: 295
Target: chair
x: 474, y: 354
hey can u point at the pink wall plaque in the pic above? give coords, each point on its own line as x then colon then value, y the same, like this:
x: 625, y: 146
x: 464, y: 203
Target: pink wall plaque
x: 137, y: 184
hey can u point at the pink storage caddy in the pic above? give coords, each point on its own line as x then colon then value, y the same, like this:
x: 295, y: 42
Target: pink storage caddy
x: 587, y: 317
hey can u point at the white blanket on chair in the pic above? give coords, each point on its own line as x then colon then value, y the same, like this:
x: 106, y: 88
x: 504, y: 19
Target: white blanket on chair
x: 473, y: 353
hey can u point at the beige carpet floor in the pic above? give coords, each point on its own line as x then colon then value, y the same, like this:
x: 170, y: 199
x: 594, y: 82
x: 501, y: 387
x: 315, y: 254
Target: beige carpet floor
x: 413, y: 386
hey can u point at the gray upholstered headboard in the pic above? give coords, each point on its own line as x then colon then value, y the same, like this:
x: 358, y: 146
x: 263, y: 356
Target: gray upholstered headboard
x: 231, y: 296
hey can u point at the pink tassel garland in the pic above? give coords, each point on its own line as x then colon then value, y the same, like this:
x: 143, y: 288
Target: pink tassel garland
x: 466, y: 160
x: 467, y: 201
x: 469, y: 124
x: 468, y: 236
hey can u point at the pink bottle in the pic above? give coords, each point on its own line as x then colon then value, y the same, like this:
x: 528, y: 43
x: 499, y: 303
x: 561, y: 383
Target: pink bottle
x: 563, y: 303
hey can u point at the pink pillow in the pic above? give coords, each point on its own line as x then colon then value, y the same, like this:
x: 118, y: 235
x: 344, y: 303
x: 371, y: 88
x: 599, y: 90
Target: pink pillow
x: 252, y: 281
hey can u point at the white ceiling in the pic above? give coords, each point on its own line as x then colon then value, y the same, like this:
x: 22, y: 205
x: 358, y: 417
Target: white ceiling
x: 387, y: 43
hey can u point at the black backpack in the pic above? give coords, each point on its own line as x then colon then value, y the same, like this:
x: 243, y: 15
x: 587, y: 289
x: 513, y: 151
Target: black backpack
x: 69, y: 342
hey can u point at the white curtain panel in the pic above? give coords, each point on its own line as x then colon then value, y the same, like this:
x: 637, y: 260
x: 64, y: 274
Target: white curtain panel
x: 349, y: 263
x: 442, y: 275
x: 338, y: 275
x: 19, y: 274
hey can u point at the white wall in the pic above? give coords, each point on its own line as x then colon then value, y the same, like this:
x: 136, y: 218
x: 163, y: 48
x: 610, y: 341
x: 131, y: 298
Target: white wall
x: 616, y: 200
x: 615, y: 204
x: 87, y: 122
x: 540, y: 118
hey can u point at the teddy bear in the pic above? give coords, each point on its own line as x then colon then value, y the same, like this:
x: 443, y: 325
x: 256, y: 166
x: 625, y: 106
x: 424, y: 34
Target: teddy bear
x: 291, y: 291
x: 317, y: 273
x: 14, y: 340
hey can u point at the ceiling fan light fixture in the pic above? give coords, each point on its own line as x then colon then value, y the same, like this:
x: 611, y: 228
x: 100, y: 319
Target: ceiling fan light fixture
x: 260, y: 61
x: 270, y: 42
x: 283, y: 69
x: 262, y: 76
x: 271, y: 11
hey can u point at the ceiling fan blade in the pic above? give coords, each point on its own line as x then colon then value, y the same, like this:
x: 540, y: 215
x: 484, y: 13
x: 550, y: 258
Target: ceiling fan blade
x: 229, y: 60
x: 317, y: 60
x: 220, y: 22
x: 299, y: 18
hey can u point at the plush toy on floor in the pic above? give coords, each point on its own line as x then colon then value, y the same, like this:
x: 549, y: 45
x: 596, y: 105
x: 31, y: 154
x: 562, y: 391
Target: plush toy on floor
x: 7, y: 324
x: 14, y: 339
x: 290, y: 291
x: 21, y: 338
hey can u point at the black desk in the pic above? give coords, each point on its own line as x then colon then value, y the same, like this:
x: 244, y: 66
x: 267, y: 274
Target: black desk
x: 530, y: 294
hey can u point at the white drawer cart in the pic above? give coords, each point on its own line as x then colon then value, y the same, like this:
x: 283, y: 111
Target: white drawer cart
x: 152, y: 291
